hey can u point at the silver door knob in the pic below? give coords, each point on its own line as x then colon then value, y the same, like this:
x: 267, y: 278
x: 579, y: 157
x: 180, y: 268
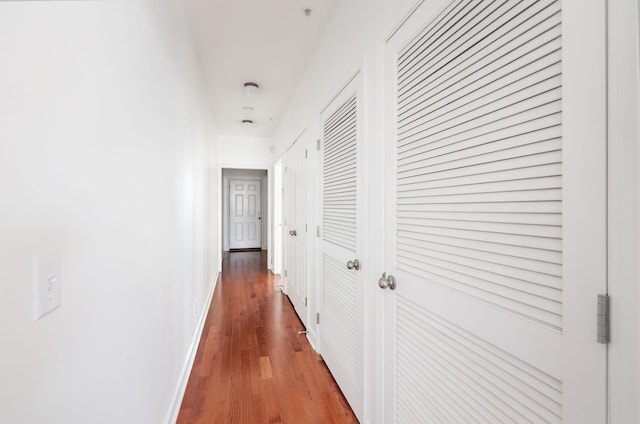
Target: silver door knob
x: 387, y: 282
x: 293, y: 233
x: 354, y: 264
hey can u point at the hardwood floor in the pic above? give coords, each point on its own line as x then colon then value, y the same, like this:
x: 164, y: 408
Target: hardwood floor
x: 252, y: 366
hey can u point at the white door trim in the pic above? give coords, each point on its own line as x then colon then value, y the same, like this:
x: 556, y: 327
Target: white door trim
x: 624, y: 210
x: 225, y: 173
x: 584, y: 147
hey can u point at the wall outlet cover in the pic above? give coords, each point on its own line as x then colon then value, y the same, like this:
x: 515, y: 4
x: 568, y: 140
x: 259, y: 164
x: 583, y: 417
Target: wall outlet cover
x: 46, y: 284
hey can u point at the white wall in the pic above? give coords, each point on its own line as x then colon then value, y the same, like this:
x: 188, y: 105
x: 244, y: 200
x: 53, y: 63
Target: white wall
x: 104, y: 157
x: 244, y: 174
x: 351, y: 35
x: 244, y: 152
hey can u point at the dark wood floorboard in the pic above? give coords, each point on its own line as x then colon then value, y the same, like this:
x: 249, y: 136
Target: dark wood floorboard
x: 252, y: 366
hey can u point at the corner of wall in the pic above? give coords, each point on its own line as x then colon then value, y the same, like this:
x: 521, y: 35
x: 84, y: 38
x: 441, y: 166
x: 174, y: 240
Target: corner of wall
x: 179, y: 391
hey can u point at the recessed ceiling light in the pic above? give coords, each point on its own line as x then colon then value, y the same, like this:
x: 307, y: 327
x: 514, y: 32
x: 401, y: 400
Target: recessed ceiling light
x: 247, y: 109
x: 250, y: 89
x: 247, y: 122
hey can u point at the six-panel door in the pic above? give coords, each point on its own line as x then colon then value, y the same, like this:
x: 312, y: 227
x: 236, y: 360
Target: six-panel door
x: 245, y: 229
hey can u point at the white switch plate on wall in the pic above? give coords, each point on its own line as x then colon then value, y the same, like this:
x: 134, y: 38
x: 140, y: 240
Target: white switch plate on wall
x: 47, y: 284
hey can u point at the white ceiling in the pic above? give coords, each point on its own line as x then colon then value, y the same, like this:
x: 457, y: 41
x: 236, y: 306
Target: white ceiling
x: 268, y: 42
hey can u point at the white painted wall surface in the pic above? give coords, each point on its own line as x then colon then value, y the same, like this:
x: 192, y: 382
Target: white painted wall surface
x: 352, y: 33
x: 244, y: 152
x: 104, y: 157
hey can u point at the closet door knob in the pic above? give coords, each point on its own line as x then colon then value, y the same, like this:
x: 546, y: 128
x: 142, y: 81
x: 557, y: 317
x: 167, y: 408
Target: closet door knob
x: 387, y: 282
x: 354, y: 264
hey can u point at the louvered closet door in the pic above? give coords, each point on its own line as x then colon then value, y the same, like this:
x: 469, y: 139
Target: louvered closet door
x: 341, y: 324
x: 478, y: 324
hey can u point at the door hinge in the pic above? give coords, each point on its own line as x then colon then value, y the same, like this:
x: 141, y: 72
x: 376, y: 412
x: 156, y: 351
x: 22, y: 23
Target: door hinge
x: 318, y: 144
x: 318, y: 318
x: 285, y: 272
x: 603, y: 319
x: 285, y: 169
x: 306, y: 154
x: 305, y: 228
x: 318, y: 231
x: 305, y: 301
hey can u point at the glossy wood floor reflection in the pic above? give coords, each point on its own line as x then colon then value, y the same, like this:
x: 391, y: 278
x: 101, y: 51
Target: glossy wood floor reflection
x: 252, y: 366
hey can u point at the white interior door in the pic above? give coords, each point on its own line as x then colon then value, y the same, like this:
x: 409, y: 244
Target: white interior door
x: 341, y: 288
x: 296, y: 226
x: 486, y: 323
x: 245, y: 229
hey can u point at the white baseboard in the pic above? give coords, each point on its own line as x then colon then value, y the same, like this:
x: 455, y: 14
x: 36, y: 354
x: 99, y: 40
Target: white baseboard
x: 172, y: 415
x: 311, y: 337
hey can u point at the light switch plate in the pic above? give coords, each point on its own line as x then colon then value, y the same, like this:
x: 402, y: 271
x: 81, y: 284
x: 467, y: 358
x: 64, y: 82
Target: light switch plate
x: 47, y: 284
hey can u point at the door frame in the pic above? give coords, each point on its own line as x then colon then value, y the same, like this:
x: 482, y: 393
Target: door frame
x: 624, y: 209
x: 276, y: 218
x: 584, y: 100
x: 223, y: 203
x: 260, y: 182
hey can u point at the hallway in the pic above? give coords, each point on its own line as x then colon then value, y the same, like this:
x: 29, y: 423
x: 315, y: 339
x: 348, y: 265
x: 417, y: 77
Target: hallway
x: 448, y: 192
x: 251, y: 365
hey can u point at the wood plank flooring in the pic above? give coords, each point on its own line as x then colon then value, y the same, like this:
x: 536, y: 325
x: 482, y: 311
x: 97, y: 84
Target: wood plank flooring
x: 252, y: 366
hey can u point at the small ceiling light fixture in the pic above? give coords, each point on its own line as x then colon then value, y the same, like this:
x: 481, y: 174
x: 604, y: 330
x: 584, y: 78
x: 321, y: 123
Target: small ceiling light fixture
x: 247, y: 122
x: 247, y: 109
x: 307, y: 12
x: 250, y: 89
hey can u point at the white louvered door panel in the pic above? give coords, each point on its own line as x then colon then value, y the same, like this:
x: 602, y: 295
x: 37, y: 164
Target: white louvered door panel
x: 341, y: 309
x: 475, y: 212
